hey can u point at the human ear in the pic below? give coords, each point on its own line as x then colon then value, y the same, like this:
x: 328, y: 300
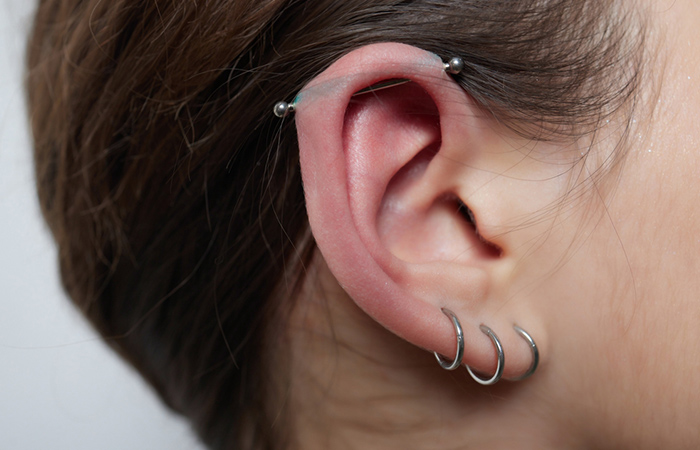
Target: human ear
x: 405, y: 222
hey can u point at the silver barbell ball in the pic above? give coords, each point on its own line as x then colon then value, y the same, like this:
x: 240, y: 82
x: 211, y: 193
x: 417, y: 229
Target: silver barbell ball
x: 454, y: 65
x: 282, y: 109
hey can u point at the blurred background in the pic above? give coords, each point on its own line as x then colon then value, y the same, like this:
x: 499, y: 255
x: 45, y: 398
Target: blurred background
x: 60, y: 387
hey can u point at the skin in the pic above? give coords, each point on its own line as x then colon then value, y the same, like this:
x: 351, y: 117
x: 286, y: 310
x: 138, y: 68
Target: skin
x: 611, y: 277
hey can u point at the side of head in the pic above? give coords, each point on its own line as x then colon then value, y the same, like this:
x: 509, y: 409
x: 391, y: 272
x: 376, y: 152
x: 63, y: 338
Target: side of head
x: 179, y: 201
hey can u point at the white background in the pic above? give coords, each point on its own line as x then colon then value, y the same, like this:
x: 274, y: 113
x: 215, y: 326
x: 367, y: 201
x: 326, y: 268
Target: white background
x: 60, y: 387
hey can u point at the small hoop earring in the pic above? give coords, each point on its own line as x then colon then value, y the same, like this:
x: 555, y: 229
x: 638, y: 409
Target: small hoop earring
x: 460, y: 343
x: 535, y: 353
x: 501, y: 359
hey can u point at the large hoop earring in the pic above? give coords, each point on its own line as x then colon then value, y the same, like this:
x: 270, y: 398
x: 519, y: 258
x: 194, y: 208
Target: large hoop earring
x: 460, y: 343
x: 535, y: 353
x: 501, y: 359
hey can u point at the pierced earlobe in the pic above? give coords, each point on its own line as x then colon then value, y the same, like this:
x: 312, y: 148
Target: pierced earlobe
x: 499, y: 352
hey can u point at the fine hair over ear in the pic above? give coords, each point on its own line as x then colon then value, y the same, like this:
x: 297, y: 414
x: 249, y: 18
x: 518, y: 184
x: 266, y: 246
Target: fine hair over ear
x: 175, y: 196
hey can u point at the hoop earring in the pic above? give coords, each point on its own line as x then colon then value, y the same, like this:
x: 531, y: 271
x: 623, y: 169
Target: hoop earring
x: 535, y: 353
x: 460, y: 343
x: 501, y: 359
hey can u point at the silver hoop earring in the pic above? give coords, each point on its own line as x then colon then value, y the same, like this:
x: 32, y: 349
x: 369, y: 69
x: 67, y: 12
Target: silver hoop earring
x: 501, y: 359
x: 535, y: 353
x: 460, y: 343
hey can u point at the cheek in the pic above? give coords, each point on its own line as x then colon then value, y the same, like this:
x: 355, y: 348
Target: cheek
x: 620, y: 283
x: 656, y: 216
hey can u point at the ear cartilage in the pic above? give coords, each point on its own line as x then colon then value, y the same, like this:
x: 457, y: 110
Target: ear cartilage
x: 381, y: 85
x: 283, y: 109
x: 454, y: 65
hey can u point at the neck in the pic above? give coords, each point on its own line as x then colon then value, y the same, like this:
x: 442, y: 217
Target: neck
x: 356, y: 385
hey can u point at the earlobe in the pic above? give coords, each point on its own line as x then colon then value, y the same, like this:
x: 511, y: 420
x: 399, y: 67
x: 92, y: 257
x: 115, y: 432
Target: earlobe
x: 384, y: 178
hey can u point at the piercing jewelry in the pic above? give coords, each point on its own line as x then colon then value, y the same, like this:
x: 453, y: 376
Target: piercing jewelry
x: 535, y: 353
x: 499, y: 351
x: 460, y: 343
x: 283, y: 109
x: 501, y: 359
x: 454, y: 66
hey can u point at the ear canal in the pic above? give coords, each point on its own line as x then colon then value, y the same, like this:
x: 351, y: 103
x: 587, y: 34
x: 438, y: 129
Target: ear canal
x: 488, y: 249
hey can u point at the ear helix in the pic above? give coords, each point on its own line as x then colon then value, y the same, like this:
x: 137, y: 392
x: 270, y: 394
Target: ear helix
x: 499, y: 352
x: 454, y: 66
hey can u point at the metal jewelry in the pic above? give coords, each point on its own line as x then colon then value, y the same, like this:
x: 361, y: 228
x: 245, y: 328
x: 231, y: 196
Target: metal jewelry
x: 447, y: 365
x: 454, y: 66
x: 535, y: 353
x: 283, y: 109
x: 460, y: 343
x: 501, y: 359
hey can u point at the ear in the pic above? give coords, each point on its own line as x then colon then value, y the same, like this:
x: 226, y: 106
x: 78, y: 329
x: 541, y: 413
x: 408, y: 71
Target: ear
x: 401, y: 208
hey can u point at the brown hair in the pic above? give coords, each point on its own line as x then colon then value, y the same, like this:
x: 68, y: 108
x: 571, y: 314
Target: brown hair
x: 174, y: 194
